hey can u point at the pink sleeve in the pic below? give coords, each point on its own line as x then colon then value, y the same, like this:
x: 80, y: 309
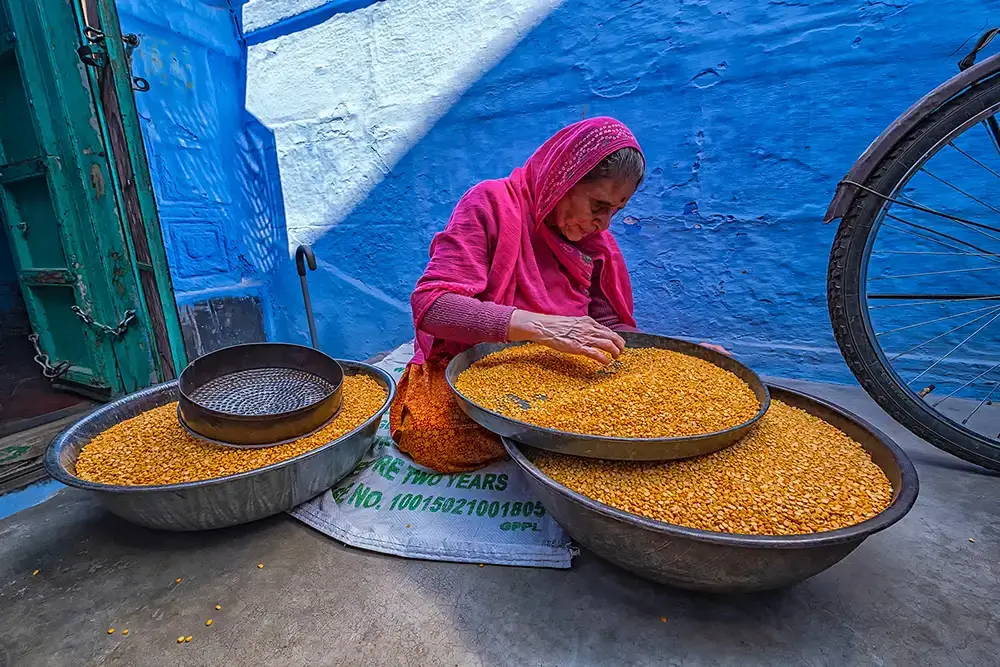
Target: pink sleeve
x: 463, y: 319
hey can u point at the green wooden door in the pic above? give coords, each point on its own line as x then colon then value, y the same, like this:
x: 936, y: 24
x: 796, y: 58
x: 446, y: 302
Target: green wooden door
x: 62, y: 199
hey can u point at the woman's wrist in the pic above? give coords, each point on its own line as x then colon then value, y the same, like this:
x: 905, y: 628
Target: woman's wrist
x: 523, y: 326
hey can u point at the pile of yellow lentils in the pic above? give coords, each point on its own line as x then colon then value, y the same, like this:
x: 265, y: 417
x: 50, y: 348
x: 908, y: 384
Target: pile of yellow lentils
x: 793, y: 474
x: 153, y: 448
x: 646, y: 393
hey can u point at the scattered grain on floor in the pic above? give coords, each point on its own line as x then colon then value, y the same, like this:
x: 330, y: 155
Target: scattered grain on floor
x: 648, y: 393
x: 793, y: 474
x: 153, y: 448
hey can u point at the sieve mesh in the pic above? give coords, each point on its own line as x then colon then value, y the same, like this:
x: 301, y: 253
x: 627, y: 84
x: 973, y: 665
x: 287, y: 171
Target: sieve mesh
x: 259, y: 392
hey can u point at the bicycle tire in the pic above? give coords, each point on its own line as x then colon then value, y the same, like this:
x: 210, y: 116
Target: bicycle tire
x: 847, y: 264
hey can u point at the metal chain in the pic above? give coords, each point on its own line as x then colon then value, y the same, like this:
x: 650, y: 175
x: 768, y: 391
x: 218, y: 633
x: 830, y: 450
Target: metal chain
x: 115, y: 331
x: 42, y: 359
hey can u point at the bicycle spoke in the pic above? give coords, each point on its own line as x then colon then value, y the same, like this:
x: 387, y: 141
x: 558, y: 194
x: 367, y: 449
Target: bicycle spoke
x: 981, y: 404
x: 995, y: 366
x: 937, y: 319
x: 929, y: 299
x: 934, y: 231
x: 942, y: 335
x: 977, y: 227
x: 989, y: 133
x: 960, y: 190
x: 935, y: 273
x: 987, y: 168
x: 952, y: 350
x: 927, y: 252
x: 910, y: 203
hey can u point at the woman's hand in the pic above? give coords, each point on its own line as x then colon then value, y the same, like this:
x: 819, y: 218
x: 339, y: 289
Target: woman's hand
x: 575, y: 335
x: 717, y: 348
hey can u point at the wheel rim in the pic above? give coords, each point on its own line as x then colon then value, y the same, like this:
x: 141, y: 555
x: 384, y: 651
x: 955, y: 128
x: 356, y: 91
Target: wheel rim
x: 945, y: 329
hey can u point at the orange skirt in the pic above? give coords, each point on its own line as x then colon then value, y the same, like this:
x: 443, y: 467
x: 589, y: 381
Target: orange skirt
x: 427, y: 423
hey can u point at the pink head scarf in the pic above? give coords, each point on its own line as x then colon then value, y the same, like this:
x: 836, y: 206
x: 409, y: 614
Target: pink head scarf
x: 488, y: 249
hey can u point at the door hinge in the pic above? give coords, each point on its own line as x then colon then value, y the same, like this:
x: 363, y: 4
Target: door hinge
x: 116, y: 331
x: 95, y: 54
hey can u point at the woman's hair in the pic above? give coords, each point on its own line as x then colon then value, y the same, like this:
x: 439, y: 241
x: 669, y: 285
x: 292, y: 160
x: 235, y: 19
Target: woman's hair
x: 625, y: 165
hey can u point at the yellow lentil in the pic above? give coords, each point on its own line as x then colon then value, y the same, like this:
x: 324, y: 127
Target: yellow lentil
x: 260, y: 565
x: 153, y: 448
x: 35, y: 572
x: 793, y: 474
x: 125, y: 632
x: 180, y: 640
x: 218, y: 607
x: 111, y: 631
x: 208, y: 622
x: 648, y: 393
x: 177, y: 581
x: 188, y: 638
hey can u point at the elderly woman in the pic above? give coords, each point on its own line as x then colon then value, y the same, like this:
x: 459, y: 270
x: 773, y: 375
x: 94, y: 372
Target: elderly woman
x: 524, y: 258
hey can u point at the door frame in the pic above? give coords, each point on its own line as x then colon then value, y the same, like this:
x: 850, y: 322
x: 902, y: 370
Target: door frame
x: 115, y: 86
x: 77, y: 162
x: 133, y: 185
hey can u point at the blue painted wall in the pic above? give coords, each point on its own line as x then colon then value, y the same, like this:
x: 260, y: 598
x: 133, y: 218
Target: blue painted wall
x: 219, y: 211
x: 749, y: 113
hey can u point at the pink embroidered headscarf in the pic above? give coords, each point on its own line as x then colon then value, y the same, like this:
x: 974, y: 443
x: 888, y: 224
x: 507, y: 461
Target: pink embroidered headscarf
x: 487, y: 250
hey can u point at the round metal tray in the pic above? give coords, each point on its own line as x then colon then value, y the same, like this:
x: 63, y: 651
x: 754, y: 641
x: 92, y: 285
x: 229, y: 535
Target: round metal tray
x: 723, y: 562
x: 224, y: 501
x: 259, y: 394
x: 604, y: 447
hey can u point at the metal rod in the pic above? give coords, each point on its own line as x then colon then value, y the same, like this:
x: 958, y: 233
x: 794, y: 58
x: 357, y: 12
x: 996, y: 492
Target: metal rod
x: 309, y: 312
x: 928, y: 300
x: 942, y: 335
x: 935, y: 273
x: 936, y: 297
x: 934, y: 231
x: 981, y: 404
x: 984, y: 166
x: 920, y: 207
x: 960, y: 190
x: 952, y: 350
x: 997, y: 365
x: 936, y: 319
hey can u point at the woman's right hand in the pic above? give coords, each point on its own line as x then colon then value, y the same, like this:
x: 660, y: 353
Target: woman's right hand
x: 574, y: 335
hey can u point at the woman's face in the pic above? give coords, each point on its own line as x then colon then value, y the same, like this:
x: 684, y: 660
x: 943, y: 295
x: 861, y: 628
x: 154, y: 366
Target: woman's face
x: 588, y: 207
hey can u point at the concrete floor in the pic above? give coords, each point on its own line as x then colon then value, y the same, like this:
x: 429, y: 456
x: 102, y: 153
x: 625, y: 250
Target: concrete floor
x: 918, y: 594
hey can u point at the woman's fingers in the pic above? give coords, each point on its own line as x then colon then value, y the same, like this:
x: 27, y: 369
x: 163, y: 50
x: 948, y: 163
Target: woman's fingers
x: 593, y: 353
x: 599, y: 332
x: 717, y: 348
x: 617, y: 340
x: 608, y: 346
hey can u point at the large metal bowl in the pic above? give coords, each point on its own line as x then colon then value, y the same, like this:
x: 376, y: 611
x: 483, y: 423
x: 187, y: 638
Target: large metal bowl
x: 604, y: 447
x: 225, y: 501
x: 722, y: 562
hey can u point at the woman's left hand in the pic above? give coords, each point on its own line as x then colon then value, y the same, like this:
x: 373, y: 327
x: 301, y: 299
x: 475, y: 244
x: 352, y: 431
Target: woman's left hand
x: 717, y: 348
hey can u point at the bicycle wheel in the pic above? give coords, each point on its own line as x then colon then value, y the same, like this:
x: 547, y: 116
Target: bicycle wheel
x: 914, y: 278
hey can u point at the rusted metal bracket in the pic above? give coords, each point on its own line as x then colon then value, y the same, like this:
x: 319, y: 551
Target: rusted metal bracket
x: 95, y: 54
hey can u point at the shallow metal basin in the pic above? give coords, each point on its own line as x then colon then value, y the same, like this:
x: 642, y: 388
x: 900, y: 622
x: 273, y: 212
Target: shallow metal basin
x: 225, y: 501
x: 605, y: 447
x: 722, y: 562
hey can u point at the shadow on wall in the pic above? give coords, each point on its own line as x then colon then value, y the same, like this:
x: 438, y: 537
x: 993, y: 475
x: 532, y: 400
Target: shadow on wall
x: 748, y: 116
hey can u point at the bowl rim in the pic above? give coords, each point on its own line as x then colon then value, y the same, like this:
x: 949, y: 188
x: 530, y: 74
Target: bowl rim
x: 909, y: 488
x: 61, y: 474
x: 217, y: 414
x: 750, y: 423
